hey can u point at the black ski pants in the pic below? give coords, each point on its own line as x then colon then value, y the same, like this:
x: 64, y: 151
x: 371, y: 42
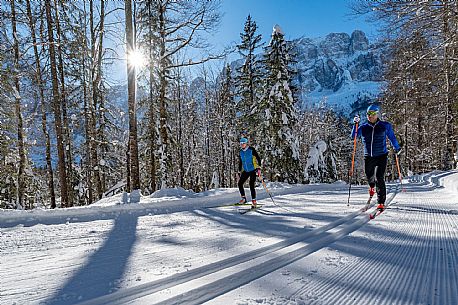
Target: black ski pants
x: 375, y: 168
x: 244, y: 177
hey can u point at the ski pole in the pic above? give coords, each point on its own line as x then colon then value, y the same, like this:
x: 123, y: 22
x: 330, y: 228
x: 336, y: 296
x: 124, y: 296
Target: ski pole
x: 352, y: 162
x: 265, y: 186
x: 399, y: 172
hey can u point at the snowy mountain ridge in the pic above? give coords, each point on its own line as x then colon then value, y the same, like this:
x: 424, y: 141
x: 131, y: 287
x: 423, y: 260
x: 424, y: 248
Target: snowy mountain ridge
x: 342, y: 70
x: 339, y: 68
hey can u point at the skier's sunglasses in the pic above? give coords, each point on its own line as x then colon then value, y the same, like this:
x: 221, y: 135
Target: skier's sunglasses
x: 370, y: 112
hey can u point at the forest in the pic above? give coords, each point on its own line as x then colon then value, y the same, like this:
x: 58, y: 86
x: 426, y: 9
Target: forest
x: 71, y: 134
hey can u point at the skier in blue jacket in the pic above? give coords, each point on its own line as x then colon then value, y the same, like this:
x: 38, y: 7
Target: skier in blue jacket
x: 249, y: 167
x: 373, y: 134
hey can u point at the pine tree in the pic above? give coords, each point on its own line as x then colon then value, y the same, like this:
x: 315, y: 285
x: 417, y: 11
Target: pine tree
x: 277, y: 114
x: 249, y: 75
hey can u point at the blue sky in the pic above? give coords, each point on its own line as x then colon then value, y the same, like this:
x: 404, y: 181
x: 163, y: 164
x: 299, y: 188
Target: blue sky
x: 297, y: 18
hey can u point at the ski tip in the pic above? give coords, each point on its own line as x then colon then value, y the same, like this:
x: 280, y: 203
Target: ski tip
x: 371, y: 216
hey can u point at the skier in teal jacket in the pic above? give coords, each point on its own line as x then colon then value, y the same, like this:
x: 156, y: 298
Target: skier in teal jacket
x: 249, y: 167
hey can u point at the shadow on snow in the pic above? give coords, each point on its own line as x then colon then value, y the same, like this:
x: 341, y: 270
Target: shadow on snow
x: 100, y: 275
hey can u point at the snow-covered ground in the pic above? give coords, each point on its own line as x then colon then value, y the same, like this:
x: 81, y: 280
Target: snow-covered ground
x: 309, y: 248
x: 342, y: 99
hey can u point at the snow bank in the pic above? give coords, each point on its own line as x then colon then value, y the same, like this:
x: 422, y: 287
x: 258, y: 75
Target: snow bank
x: 450, y: 183
x: 176, y: 192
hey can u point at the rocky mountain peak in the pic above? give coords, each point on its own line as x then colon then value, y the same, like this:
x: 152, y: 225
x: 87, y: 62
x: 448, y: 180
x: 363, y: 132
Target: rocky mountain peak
x: 336, y: 44
x: 327, y: 63
x: 339, y: 67
x: 358, y: 41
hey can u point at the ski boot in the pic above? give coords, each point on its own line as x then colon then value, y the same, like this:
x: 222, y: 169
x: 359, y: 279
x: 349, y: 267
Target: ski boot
x: 371, y: 191
x: 242, y: 201
x: 253, y: 204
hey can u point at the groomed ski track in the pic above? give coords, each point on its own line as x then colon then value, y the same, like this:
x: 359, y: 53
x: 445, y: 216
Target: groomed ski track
x: 316, y: 256
x: 413, y: 260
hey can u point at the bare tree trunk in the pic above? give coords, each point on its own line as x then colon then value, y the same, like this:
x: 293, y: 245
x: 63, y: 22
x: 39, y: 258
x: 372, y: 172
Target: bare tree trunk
x: 128, y: 169
x: 406, y: 119
x: 223, y: 171
x: 44, y: 124
x: 180, y: 130
x: 418, y: 138
x: 87, y: 124
x: 208, y: 175
x: 152, y: 108
x: 131, y: 83
x: 57, y: 109
x: 87, y: 115
x: 448, y: 155
x: 93, y: 108
x: 102, y: 141
x: 152, y: 133
x: 101, y: 131
x: 66, y: 127
x: 20, y: 131
x: 164, y: 160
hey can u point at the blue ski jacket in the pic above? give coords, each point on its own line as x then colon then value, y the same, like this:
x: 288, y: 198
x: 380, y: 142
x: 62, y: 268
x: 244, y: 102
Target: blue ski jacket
x: 374, y: 137
x: 249, y: 159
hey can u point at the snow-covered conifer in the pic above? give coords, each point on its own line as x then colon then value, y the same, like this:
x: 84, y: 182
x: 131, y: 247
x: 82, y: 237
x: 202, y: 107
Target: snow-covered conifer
x: 249, y: 75
x: 277, y: 115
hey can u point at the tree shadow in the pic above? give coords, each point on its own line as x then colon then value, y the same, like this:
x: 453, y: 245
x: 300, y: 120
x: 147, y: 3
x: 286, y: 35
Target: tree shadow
x: 103, y: 270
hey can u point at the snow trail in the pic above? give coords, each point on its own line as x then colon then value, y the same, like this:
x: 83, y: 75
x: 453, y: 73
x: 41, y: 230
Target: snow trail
x: 149, y: 288
x: 221, y: 286
x: 411, y: 261
x: 407, y: 255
